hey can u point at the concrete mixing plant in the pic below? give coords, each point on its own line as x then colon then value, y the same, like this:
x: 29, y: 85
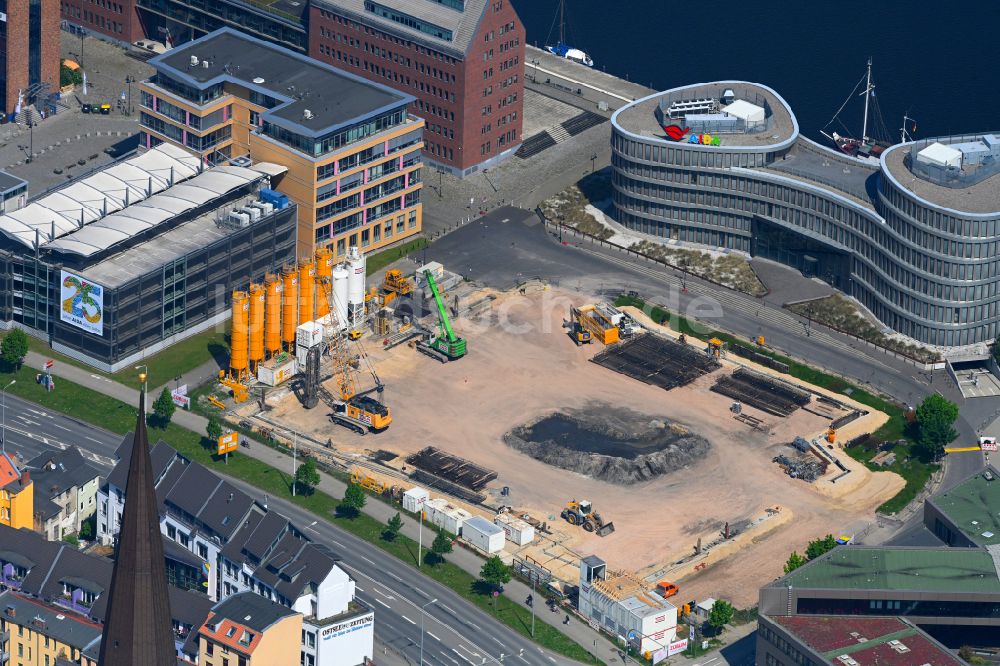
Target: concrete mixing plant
x: 355, y: 288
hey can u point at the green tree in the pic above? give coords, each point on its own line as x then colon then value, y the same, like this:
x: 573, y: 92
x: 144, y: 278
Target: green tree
x: 87, y: 528
x: 721, y: 614
x: 306, y: 477
x: 794, y: 562
x: 354, y: 500
x: 213, y: 430
x: 936, y: 416
x: 14, y: 348
x: 164, y: 408
x: 494, y: 572
x: 392, y: 527
x: 820, y: 546
x: 439, y: 548
x: 72, y: 540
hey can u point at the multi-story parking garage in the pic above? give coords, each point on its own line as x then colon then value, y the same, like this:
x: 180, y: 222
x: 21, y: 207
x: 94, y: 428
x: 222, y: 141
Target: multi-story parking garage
x: 913, y: 236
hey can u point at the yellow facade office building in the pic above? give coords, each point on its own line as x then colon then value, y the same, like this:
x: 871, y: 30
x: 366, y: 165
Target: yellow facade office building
x: 351, y: 148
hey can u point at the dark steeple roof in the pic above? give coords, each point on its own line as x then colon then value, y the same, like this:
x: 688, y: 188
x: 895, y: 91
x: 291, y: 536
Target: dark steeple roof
x: 137, y: 626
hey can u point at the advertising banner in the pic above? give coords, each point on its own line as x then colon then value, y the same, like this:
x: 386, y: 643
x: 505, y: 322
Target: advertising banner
x: 82, y: 303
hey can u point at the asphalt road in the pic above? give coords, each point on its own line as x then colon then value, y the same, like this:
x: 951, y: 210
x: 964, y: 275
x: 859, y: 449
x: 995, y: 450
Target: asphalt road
x: 457, y: 633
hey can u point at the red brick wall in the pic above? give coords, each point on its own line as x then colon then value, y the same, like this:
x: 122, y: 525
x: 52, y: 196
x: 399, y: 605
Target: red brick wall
x: 16, y: 49
x: 117, y: 19
x: 449, y: 90
x: 51, y: 51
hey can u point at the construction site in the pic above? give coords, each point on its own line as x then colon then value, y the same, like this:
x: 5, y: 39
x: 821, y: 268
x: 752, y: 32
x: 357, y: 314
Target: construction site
x: 604, y: 432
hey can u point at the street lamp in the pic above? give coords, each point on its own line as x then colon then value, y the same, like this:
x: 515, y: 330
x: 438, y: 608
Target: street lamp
x: 129, y: 80
x: 422, y: 608
x: 143, y: 376
x: 3, y: 419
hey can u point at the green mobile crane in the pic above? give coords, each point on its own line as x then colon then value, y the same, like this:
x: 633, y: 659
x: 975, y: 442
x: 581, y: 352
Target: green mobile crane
x: 445, y: 345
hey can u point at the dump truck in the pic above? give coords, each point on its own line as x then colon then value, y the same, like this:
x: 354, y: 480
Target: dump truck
x: 582, y: 513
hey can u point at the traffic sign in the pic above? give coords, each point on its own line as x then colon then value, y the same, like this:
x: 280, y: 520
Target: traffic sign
x: 228, y: 443
x: 988, y: 444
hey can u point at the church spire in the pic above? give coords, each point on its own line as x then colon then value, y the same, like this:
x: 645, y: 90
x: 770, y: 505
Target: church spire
x: 137, y: 624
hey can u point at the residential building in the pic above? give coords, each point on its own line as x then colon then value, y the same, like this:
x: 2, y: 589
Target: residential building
x: 29, y: 45
x: 818, y: 640
x: 910, y: 235
x: 17, y: 493
x: 128, y: 260
x: 462, y: 59
x: 624, y: 606
x: 350, y: 146
x: 34, y: 633
x: 66, y: 491
x: 224, y: 543
x: 249, y: 630
x: 57, y: 574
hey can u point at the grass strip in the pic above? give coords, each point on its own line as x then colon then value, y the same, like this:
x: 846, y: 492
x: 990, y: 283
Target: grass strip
x: 908, y: 465
x: 105, y: 412
x: 379, y: 260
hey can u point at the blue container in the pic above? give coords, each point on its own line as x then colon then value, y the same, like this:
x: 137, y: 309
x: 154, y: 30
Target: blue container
x: 274, y: 197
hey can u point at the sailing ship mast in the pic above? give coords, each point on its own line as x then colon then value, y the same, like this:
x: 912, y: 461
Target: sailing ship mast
x: 562, y: 21
x: 869, y: 88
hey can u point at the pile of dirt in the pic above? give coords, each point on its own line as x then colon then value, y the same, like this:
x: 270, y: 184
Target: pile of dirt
x: 608, y: 443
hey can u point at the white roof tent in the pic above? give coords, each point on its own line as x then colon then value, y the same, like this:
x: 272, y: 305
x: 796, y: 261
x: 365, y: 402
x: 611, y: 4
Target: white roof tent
x: 105, y: 192
x: 745, y: 111
x: 941, y: 155
x: 159, y: 208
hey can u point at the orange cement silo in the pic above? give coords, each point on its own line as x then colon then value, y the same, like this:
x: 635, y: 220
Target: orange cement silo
x: 272, y: 314
x: 256, y: 324
x: 324, y: 281
x: 289, y: 305
x: 307, y: 295
x: 238, y: 359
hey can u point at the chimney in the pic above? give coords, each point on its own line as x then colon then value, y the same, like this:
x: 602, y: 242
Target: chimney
x: 11, y: 611
x: 25, y: 477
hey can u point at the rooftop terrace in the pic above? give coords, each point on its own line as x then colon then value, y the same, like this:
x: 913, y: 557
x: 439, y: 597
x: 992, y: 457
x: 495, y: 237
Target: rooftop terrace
x: 916, y: 569
x: 983, y: 197
x: 878, y: 640
x: 640, y: 117
x: 974, y: 507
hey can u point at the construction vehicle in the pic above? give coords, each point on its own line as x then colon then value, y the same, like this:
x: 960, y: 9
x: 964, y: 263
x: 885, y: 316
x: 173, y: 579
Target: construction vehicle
x: 396, y: 283
x: 368, y: 482
x: 582, y: 513
x: 716, y: 348
x: 355, y: 334
x: 358, y: 410
x: 666, y: 589
x: 212, y: 400
x: 581, y: 336
x: 241, y: 392
x: 831, y: 435
x: 598, y: 323
x: 444, y: 345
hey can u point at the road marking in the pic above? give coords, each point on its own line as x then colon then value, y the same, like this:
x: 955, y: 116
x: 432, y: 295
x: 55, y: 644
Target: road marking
x: 338, y: 543
x: 447, y: 609
x: 379, y: 601
x: 95, y: 441
x: 523, y: 659
x: 474, y: 654
x: 358, y: 589
x: 102, y: 378
x: 56, y: 425
x: 433, y: 636
x: 366, y: 560
x: 387, y: 595
x: 461, y: 655
x: 473, y: 624
x: 449, y: 658
x: 408, y: 620
x: 420, y: 592
x: 552, y: 659
x: 394, y: 576
x: 497, y: 642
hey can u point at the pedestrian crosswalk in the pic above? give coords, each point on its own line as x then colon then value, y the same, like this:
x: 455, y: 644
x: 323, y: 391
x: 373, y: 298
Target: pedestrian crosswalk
x: 735, y: 301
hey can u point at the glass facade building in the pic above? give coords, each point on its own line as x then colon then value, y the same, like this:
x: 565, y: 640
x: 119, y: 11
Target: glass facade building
x: 920, y: 259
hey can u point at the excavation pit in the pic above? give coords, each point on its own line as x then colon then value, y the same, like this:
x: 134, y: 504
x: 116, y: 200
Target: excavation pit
x: 613, y: 444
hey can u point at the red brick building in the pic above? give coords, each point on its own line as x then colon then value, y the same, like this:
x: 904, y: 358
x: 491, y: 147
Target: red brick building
x: 462, y: 59
x: 117, y: 19
x: 29, y: 46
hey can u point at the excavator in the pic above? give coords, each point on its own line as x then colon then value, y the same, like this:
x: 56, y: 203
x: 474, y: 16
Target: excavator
x: 445, y: 345
x: 361, y: 411
x: 582, y: 513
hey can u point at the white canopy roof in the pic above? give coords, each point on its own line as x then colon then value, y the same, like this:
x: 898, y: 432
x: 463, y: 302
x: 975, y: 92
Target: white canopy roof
x: 159, y: 208
x: 745, y: 111
x: 100, y: 194
x: 940, y: 154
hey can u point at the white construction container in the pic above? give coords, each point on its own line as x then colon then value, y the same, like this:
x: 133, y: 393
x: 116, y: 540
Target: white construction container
x: 516, y: 530
x: 483, y: 534
x: 442, y: 514
x: 273, y: 375
x: 309, y: 334
x: 414, y: 499
x: 436, y: 269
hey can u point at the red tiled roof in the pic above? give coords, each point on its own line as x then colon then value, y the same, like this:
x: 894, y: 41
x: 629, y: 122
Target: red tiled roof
x: 8, y: 472
x: 833, y: 633
x: 232, y: 642
x: 919, y: 651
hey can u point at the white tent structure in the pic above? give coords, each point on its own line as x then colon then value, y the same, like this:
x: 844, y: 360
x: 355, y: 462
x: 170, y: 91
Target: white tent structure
x: 744, y: 110
x: 940, y: 155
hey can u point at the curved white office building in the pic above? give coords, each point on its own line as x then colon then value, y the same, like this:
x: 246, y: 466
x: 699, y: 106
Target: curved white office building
x: 913, y: 236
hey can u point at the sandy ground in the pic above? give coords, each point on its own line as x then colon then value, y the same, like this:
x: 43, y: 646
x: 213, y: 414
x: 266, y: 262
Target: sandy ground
x: 521, y: 364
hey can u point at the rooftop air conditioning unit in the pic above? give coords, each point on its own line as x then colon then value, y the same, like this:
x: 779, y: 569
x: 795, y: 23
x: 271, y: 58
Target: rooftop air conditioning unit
x: 205, y: 64
x: 194, y: 61
x: 307, y: 114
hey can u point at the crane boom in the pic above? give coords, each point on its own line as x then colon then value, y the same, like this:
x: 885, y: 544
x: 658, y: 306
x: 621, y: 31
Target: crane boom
x: 446, y: 346
x: 442, y: 312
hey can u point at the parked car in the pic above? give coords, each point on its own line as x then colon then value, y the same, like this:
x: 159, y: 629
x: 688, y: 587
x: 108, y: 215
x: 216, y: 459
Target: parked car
x: 105, y: 109
x: 86, y: 108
